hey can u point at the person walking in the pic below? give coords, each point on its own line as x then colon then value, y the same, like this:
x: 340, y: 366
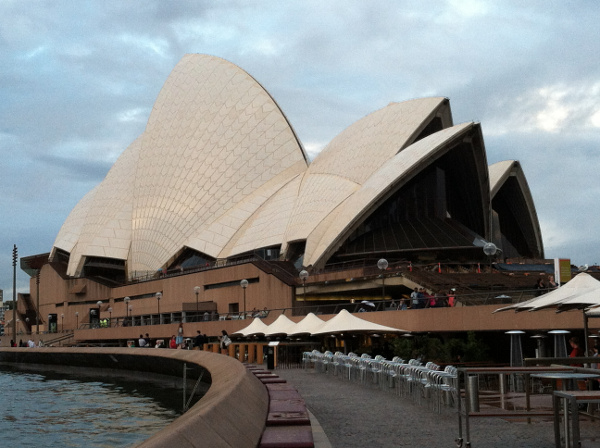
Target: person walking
x: 224, y: 342
x: 179, y: 340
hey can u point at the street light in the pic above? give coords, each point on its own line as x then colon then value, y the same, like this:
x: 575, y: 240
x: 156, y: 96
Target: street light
x: 27, y: 325
x: 244, y: 285
x: 14, y: 303
x: 62, y: 323
x: 76, y: 319
x: 49, y: 326
x: 99, y: 303
x: 109, y: 315
x: 197, y: 291
x: 303, y: 276
x: 126, y: 300
x: 490, y: 249
x: 382, y: 264
x: 37, y: 301
x: 158, y: 295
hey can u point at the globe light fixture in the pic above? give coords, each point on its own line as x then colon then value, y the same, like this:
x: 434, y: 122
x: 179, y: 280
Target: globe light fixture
x: 490, y: 250
x: 158, y: 296
x: 126, y: 300
x: 382, y: 264
x: 303, y: 276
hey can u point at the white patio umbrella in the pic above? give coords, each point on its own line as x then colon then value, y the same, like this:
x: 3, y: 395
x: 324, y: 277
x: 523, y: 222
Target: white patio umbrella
x: 257, y: 326
x: 308, y: 325
x: 344, y: 322
x: 593, y: 312
x: 580, y: 284
x: 281, y: 325
x: 582, y: 292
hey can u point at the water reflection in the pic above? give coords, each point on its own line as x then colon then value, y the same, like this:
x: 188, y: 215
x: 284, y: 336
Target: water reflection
x: 59, y: 410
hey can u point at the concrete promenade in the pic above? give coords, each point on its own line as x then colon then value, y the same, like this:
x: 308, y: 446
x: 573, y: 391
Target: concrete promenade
x: 356, y: 416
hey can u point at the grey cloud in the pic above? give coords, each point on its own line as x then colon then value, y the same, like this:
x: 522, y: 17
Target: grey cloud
x: 71, y: 70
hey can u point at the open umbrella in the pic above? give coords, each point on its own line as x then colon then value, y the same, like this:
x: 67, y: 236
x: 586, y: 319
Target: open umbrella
x: 257, y: 326
x: 281, y: 325
x: 308, y: 325
x: 579, y: 285
x: 344, y: 322
x: 582, y: 292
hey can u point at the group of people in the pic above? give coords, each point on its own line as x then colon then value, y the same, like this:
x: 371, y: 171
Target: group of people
x: 30, y: 343
x: 176, y: 342
x: 420, y: 298
x: 542, y: 288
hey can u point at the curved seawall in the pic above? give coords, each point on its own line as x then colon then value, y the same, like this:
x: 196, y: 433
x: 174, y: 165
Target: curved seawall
x: 232, y: 412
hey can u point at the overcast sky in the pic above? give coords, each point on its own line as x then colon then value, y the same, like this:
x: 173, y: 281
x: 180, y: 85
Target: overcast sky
x: 78, y: 81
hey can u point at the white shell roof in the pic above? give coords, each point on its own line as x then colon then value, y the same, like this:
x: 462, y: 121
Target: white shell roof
x: 499, y: 173
x: 354, y: 156
x: 220, y: 170
x: 215, y: 149
x: 400, y: 168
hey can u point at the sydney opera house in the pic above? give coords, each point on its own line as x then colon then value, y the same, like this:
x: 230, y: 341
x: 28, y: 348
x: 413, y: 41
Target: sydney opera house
x: 219, y: 189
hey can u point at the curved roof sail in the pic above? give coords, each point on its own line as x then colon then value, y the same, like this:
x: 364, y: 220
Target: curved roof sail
x: 219, y: 172
x: 518, y: 229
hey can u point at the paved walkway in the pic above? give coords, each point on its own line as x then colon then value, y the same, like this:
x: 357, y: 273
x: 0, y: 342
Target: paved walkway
x: 355, y: 416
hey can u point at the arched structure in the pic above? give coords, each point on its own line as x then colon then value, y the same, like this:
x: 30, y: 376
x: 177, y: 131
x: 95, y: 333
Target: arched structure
x: 219, y: 174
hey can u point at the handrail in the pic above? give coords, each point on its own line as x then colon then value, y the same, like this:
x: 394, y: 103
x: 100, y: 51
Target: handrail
x: 60, y: 338
x: 563, y: 361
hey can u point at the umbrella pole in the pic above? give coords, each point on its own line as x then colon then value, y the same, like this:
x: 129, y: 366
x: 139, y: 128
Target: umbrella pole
x: 585, y: 331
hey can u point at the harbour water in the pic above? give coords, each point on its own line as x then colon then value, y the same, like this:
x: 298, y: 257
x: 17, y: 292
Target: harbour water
x: 61, y: 410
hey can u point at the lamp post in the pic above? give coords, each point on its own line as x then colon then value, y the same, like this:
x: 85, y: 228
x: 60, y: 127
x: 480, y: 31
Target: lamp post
x: 49, y: 326
x: 15, y: 256
x: 158, y: 295
x: 76, y: 319
x: 303, y: 276
x: 27, y: 325
x: 62, y: 323
x: 109, y: 315
x: 99, y: 303
x: 244, y: 285
x: 126, y: 300
x: 197, y: 291
x: 382, y: 264
x: 37, y: 300
x: 490, y: 249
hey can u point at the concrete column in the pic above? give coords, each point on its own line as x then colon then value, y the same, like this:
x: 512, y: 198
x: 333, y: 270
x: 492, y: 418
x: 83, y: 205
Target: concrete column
x: 259, y: 353
x: 251, y: 352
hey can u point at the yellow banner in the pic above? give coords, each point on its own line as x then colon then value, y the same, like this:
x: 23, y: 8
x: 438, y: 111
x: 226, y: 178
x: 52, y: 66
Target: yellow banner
x: 562, y: 270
